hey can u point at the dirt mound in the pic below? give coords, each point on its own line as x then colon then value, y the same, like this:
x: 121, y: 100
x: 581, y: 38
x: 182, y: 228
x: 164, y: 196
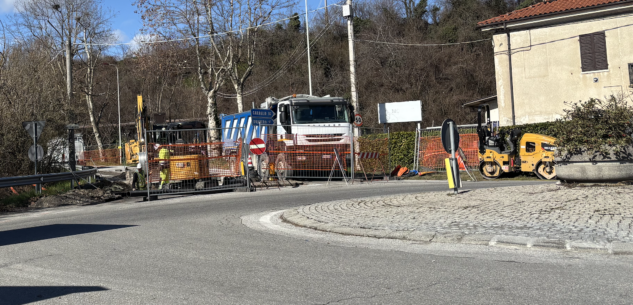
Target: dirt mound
x: 76, y: 197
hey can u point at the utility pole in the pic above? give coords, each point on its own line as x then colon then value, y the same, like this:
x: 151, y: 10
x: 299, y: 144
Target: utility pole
x: 327, y: 20
x: 308, y: 42
x: 71, y: 113
x: 347, y: 12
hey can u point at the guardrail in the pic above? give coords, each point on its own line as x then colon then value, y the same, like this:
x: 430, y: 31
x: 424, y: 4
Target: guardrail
x: 46, y: 178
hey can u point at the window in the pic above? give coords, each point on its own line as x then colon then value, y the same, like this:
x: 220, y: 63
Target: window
x: 631, y: 75
x: 530, y: 147
x: 593, y: 52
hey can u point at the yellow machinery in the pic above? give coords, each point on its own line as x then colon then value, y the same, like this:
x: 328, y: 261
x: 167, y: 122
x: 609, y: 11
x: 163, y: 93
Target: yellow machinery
x: 133, y: 147
x: 535, y: 153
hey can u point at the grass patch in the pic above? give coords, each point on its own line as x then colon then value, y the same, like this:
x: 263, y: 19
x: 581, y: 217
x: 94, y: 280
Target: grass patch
x: 24, y: 198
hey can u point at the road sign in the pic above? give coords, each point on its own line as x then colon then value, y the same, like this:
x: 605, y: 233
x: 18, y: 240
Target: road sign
x: 40, y: 153
x: 257, y: 146
x: 446, y: 136
x: 34, y: 128
x: 262, y: 121
x: 262, y: 114
x: 358, y: 120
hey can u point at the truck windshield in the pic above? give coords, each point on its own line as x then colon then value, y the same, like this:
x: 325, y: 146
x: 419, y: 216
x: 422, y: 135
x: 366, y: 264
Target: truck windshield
x: 306, y: 114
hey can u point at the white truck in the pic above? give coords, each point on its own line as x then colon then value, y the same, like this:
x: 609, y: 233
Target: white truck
x: 304, y: 132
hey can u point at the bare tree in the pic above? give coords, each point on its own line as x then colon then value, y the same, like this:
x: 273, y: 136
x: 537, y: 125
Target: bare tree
x: 96, y: 32
x: 70, y: 27
x: 195, y: 22
x: 223, y: 35
x: 243, y: 20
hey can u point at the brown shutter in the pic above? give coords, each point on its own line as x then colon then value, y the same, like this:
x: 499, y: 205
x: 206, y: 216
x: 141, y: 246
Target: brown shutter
x: 600, y: 51
x: 587, y: 60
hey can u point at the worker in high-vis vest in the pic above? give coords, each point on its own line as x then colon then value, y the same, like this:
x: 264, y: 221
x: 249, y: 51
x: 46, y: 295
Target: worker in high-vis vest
x: 138, y: 178
x: 163, y: 156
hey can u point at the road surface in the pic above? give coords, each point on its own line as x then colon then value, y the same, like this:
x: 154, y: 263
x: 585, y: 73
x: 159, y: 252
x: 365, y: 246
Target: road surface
x: 211, y: 249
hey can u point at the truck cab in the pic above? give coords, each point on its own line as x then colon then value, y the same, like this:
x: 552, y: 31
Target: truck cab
x: 311, y: 120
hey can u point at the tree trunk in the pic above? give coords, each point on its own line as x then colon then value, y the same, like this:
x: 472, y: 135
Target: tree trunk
x: 93, y: 122
x: 239, y: 92
x: 212, y: 114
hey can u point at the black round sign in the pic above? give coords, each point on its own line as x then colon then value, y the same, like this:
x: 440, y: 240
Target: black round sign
x: 446, y: 135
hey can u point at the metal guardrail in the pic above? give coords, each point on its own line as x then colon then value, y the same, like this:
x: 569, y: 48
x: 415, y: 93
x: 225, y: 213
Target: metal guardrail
x: 46, y: 178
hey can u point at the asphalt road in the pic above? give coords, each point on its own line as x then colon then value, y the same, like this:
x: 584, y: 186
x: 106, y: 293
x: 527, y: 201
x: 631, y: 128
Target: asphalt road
x: 199, y: 250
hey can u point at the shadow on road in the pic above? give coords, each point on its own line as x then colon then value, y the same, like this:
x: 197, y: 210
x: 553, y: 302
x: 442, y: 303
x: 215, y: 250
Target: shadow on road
x: 51, y: 231
x: 16, y: 295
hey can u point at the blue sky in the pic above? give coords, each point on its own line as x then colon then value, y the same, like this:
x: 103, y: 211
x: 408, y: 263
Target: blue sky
x: 126, y: 23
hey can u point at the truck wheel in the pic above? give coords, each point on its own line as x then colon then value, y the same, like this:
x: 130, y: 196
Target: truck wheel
x: 490, y: 170
x: 283, y: 169
x: 263, y: 167
x: 546, y: 170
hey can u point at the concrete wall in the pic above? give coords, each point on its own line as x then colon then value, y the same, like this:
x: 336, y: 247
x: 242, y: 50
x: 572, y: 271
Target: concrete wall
x: 547, y: 71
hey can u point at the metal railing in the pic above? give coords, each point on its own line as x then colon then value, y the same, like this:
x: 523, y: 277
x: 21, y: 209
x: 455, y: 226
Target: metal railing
x: 46, y: 178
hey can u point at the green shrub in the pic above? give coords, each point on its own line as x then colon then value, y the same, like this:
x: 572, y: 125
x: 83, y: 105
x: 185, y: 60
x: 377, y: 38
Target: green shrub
x: 595, y: 126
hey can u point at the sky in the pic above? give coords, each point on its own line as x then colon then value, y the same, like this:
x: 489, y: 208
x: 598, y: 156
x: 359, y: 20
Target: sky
x: 127, y: 24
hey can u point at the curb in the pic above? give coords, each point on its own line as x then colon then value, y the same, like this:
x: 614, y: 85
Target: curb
x: 293, y: 217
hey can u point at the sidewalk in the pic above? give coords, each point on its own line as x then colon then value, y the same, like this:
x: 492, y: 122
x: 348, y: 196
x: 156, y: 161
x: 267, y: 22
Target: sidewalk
x: 598, y: 218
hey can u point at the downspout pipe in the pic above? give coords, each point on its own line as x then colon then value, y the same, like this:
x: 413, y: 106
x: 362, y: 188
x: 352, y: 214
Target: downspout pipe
x: 510, y: 69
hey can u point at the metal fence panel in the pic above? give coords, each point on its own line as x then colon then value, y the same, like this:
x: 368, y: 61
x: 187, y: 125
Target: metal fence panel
x: 184, y: 161
x: 432, y: 153
x: 307, y: 152
x: 372, y: 153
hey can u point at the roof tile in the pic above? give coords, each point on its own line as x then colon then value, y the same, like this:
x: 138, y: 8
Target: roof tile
x: 547, y: 8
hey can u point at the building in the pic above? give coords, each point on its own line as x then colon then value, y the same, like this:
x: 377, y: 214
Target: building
x: 561, y: 51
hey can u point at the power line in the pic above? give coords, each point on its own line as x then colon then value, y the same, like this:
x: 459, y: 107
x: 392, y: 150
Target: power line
x: 422, y: 44
x: 203, y: 36
x: 292, y: 60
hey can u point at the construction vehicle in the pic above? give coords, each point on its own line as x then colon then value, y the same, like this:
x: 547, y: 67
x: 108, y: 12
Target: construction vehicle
x: 186, y: 162
x: 302, y: 126
x: 134, y: 147
x: 499, y: 154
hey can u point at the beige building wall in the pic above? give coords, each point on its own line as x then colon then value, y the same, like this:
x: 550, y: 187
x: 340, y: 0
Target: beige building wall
x: 547, y: 71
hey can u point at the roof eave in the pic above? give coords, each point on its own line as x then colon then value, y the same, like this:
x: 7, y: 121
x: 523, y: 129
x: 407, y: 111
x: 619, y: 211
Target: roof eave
x: 562, y: 17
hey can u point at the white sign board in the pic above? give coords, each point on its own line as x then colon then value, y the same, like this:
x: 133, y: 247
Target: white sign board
x: 399, y: 112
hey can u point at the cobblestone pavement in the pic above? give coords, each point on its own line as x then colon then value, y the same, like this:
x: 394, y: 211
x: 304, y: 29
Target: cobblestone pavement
x: 539, y: 215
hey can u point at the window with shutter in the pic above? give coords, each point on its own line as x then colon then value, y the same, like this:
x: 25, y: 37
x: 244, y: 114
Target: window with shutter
x: 631, y: 75
x: 593, y: 52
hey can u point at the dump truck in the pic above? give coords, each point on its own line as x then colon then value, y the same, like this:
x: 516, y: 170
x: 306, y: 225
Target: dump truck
x: 304, y: 132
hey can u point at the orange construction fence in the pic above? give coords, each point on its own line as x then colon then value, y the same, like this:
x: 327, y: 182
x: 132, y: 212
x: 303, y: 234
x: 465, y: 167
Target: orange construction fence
x: 432, y: 153
x: 100, y: 157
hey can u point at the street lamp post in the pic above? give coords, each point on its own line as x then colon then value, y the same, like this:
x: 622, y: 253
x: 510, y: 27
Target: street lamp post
x: 118, y: 93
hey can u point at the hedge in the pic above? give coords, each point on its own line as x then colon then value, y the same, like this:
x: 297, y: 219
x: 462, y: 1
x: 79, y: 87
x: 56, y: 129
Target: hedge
x: 401, y: 146
x: 545, y: 128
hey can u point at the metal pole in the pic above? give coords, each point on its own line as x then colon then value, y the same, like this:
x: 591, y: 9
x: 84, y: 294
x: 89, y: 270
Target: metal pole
x: 351, y: 148
x: 455, y: 169
x: 118, y: 93
x: 308, y: 46
x: 71, y: 115
x: 35, y: 146
x: 148, y: 179
x: 352, y: 59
